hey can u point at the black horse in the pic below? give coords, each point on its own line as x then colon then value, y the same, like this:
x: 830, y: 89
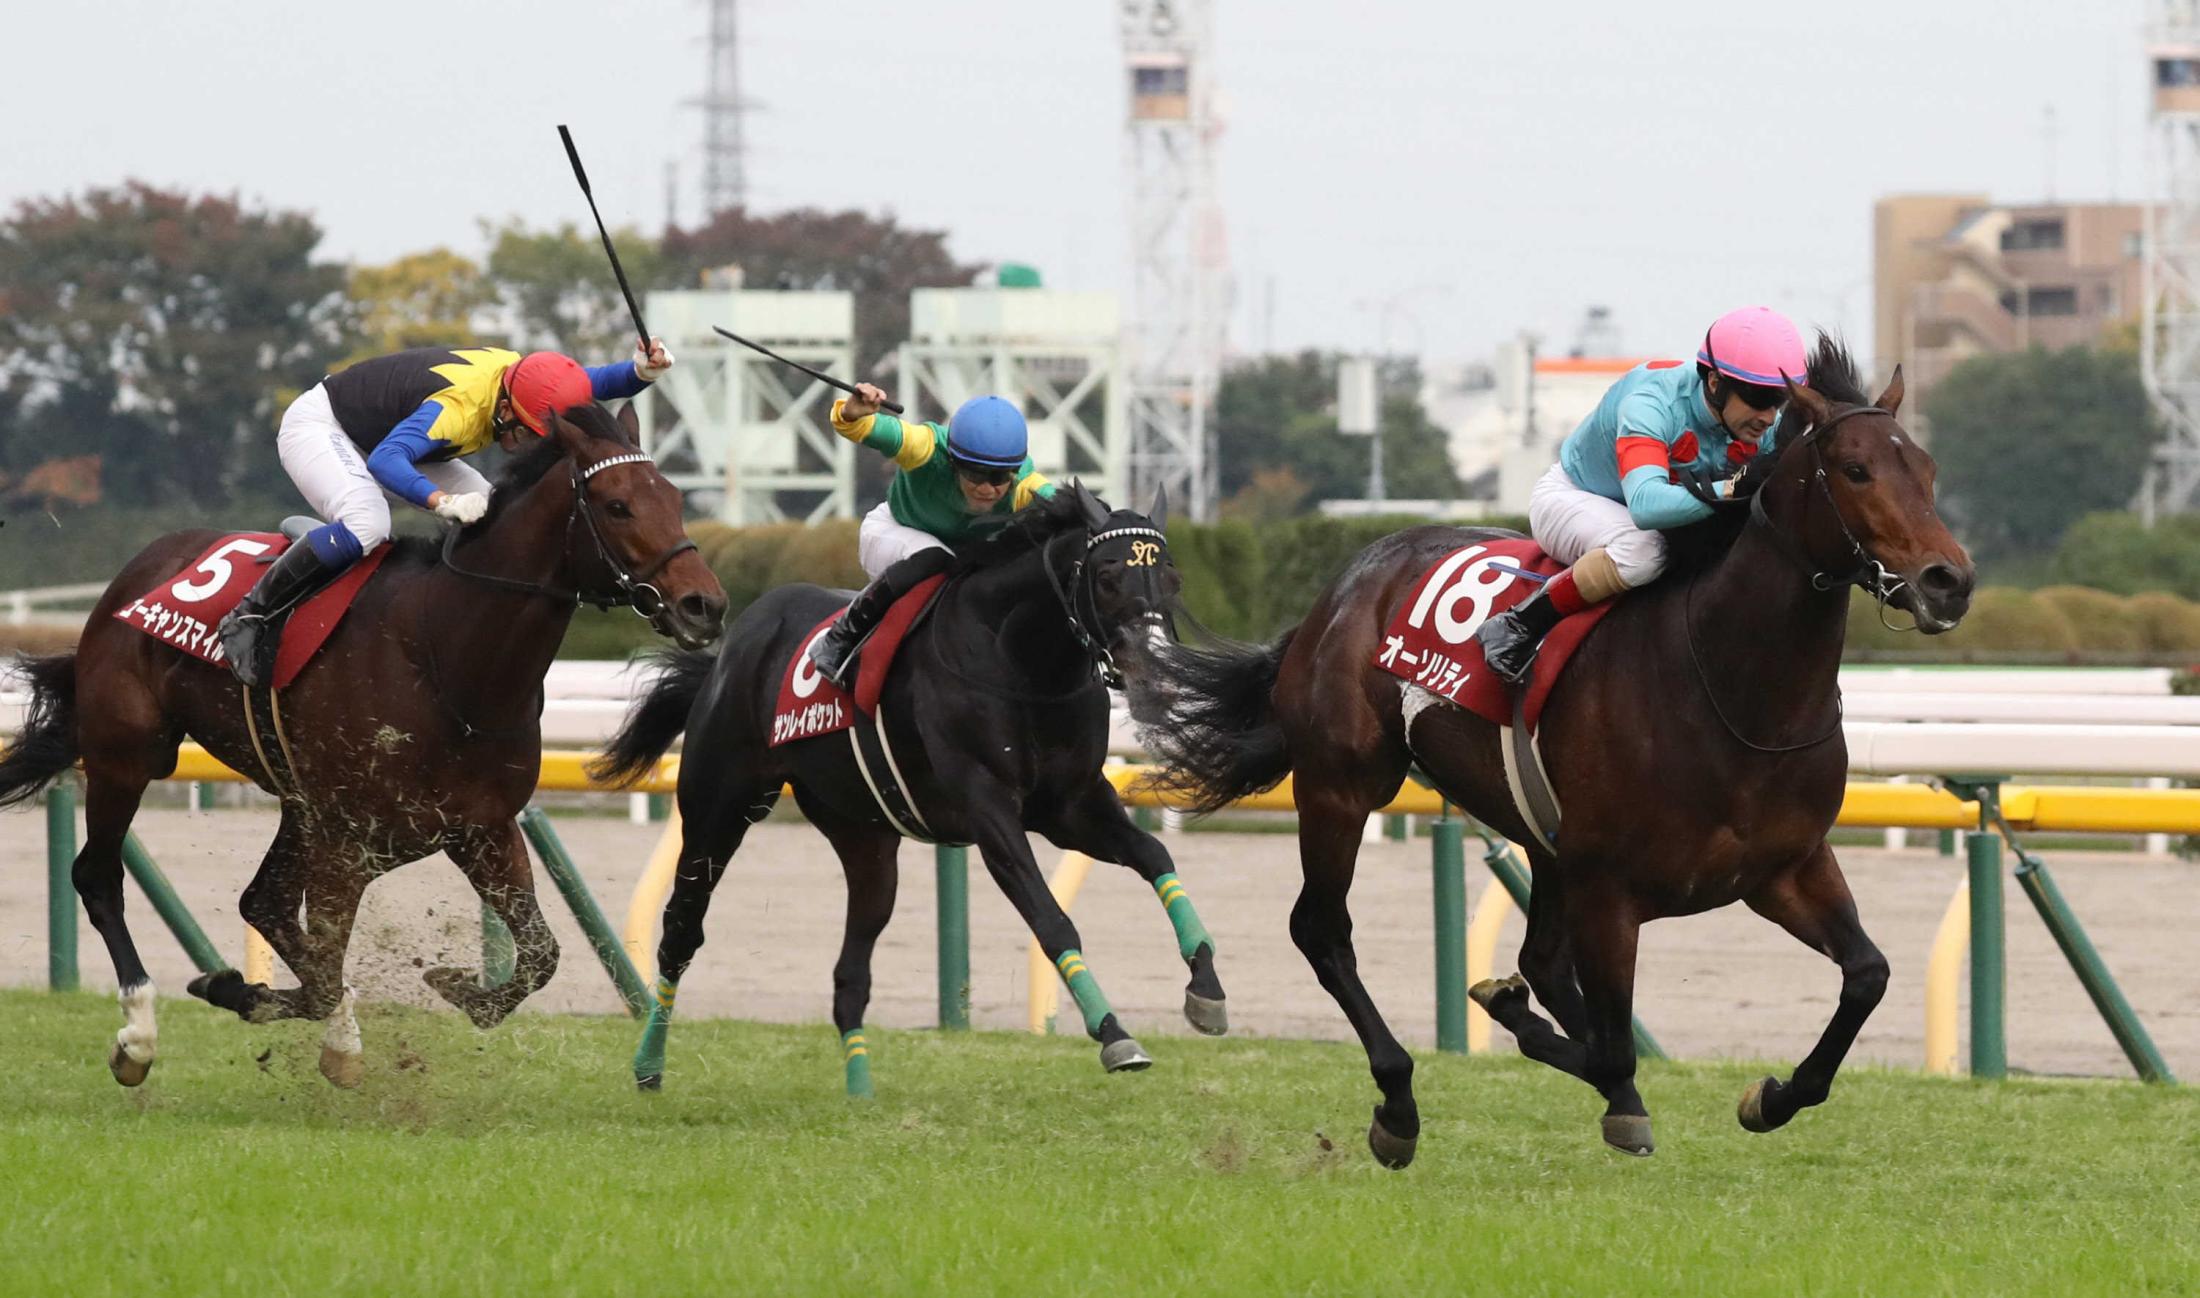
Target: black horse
x: 997, y: 706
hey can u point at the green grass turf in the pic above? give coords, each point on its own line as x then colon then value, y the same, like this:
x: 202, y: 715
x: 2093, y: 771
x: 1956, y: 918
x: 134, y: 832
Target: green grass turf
x: 522, y: 1161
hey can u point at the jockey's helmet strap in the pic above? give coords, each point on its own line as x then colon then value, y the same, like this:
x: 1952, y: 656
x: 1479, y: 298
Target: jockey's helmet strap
x: 600, y: 465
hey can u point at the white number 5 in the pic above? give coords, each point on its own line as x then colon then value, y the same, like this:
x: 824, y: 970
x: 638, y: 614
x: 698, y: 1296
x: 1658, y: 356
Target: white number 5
x: 216, y: 567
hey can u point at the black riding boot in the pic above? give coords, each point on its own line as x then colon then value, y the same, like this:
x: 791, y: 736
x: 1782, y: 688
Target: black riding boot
x: 246, y: 633
x: 836, y: 649
x: 1509, y: 640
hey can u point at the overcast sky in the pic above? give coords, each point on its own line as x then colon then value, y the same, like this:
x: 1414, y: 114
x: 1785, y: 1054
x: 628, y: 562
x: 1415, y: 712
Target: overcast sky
x: 1479, y: 168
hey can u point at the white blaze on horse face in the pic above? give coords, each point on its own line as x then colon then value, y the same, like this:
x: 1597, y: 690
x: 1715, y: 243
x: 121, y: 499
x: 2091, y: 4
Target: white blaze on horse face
x: 138, y: 1034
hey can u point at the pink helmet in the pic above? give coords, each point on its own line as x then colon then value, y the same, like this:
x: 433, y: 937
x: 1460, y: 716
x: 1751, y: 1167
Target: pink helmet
x: 1755, y: 345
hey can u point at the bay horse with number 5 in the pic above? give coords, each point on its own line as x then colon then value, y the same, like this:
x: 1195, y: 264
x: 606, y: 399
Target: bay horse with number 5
x: 415, y: 729
x: 1694, y: 743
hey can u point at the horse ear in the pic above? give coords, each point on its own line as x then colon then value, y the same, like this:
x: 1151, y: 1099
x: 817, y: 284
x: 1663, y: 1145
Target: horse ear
x: 1159, y: 514
x: 1891, y: 400
x: 1096, y: 514
x: 567, y: 433
x: 630, y: 422
x: 1812, y: 404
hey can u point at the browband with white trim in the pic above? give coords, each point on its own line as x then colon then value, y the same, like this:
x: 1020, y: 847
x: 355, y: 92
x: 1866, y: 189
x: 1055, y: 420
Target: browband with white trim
x: 1113, y: 534
x: 599, y: 466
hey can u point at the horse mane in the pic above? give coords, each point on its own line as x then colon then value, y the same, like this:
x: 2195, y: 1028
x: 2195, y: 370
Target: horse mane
x: 524, y: 470
x: 1832, y: 375
x: 1028, y: 528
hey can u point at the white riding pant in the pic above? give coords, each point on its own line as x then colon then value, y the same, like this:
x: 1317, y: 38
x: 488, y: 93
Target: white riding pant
x: 1568, y: 522
x: 883, y: 541
x: 332, y: 475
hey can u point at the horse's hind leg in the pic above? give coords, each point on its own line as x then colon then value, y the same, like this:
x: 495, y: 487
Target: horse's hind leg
x: 867, y: 857
x: 1095, y: 823
x: 1813, y: 902
x: 126, y: 743
x: 715, y: 815
x: 1321, y: 924
x: 111, y: 796
x: 494, y: 860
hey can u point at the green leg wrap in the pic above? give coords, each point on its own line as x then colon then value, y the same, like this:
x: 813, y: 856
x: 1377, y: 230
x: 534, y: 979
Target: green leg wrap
x: 1190, y: 933
x: 855, y: 1053
x: 649, y: 1056
x: 1085, y: 988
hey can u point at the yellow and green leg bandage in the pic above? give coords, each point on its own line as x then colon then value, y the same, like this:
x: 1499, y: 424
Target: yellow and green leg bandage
x: 649, y: 1056
x: 855, y: 1056
x: 1082, y: 985
x: 1190, y: 933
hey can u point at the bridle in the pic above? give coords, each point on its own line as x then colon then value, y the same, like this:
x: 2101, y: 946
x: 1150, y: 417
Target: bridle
x: 632, y: 587
x: 1082, y: 606
x: 1868, y: 574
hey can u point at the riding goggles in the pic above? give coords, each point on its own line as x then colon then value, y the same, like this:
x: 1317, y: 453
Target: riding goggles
x: 984, y: 474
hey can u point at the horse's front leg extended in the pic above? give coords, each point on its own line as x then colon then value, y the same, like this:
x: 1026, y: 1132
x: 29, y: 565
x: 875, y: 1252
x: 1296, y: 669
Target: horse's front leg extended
x: 1095, y: 823
x: 494, y: 860
x: 998, y: 829
x: 1813, y: 902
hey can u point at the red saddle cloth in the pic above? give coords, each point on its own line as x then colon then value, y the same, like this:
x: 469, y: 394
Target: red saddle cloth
x: 1430, y: 639
x: 809, y: 705
x: 184, y: 610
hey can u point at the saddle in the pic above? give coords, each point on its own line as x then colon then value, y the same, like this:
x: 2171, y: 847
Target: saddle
x: 184, y: 610
x: 809, y: 705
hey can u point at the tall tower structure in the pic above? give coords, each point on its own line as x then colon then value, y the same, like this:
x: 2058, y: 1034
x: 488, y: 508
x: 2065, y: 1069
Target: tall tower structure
x: 1172, y: 340
x: 2169, y: 353
x: 725, y: 146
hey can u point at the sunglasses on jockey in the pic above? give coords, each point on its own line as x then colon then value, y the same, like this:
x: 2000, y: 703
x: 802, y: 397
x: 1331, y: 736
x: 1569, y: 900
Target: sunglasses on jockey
x: 984, y: 475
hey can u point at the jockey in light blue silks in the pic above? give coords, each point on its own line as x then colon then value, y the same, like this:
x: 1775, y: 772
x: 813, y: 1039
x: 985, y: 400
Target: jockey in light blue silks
x: 1616, y: 485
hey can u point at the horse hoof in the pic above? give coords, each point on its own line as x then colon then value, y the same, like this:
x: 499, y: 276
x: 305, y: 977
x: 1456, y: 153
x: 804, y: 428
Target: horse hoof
x: 127, y: 1071
x: 1124, y: 1055
x: 343, y: 1068
x: 1751, y: 1111
x: 649, y: 1082
x: 1208, y: 1017
x: 1490, y: 990
x: 1393, y: 1152
x: 217, y: 988
x: 1629, y: 1133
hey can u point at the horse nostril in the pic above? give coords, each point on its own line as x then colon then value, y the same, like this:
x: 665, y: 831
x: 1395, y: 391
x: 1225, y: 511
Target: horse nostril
x: 699, y: 609
x: 1945, y: 580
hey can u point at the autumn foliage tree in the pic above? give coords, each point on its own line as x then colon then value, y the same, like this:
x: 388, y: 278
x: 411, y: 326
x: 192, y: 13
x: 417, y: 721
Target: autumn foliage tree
x: 158, y: 330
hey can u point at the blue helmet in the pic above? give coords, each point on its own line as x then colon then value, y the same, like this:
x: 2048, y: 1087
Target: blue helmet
x: 988, y: 431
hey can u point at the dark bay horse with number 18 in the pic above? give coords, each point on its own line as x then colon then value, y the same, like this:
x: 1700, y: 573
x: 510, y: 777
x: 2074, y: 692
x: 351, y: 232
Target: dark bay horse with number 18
x: 416, y: 729
x: 1694, y: 744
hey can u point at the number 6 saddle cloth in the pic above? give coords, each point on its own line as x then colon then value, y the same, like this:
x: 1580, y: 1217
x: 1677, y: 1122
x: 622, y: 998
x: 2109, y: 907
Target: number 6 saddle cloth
x: 183, y: 611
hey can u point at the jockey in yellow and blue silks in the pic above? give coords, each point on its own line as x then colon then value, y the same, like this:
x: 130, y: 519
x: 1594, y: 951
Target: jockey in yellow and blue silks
x: 1617, y: 483
x: 399, y: 423
x: 958, y: 480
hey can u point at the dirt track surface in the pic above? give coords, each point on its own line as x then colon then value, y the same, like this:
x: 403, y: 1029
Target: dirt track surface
x: 1724, y: 984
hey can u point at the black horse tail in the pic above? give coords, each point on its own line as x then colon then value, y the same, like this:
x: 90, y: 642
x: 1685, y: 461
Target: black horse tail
x: 45, y: 747
x: 1216, y: 733
x: 657, y: 718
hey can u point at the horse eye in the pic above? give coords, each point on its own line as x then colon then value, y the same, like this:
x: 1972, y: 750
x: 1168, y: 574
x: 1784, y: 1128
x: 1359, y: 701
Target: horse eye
x: 1856, y: 473
x: 617, y: 509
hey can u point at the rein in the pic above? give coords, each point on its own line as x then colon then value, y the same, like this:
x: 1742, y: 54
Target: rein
x: 633, y: 588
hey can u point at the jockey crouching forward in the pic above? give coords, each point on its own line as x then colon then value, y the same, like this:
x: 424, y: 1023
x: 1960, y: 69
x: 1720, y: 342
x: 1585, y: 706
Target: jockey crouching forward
x: 399, y: 423
x: 957, y: 480
x: 1616, y: 485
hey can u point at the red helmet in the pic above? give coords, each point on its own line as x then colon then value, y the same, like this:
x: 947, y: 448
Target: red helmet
x: 541, y: 382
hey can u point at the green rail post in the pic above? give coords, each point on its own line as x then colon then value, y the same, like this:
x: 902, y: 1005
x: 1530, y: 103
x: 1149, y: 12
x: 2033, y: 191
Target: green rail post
x: 1499, y: 857
x: 1989, y: 1045
x: 660, y: 808
x: 1947, y: 842
x: 61, y: 885
x: 1146, y: 818
x: 535, y: 823
x: 1447, y: 852
x: 2061, y: 921
x: 952, y: 864
x: 170, y: 907
x: 497, y: 951
x: 1397, y: 828
x: 200, y: 795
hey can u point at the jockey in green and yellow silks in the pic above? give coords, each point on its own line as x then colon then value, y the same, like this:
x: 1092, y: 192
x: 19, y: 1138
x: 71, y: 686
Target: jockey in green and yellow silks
x: 958, y: 481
